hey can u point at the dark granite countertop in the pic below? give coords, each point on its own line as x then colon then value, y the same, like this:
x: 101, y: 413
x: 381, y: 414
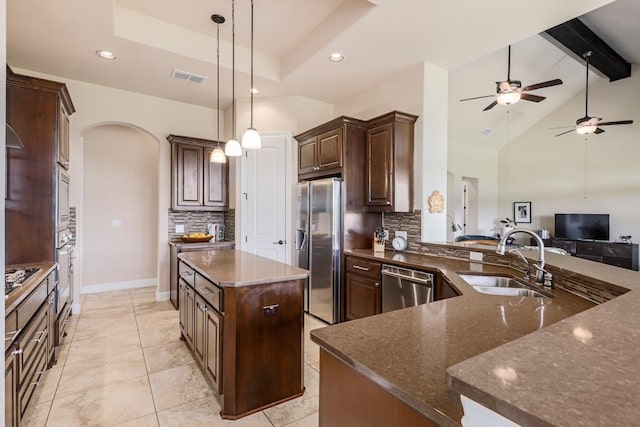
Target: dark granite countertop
x: 407, y: 352
x: 180, y: 244
x: 234, y: 268
x: 17, y: 296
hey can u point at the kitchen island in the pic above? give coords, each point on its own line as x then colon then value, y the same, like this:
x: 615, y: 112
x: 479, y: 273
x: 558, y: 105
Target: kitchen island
x: 241, y: 315
x: 399, y: 360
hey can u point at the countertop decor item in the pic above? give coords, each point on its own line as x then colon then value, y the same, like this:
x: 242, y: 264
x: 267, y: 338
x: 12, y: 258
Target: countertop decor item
x: 399, y: 243
x: 378, y: 239
x: 196, y: 238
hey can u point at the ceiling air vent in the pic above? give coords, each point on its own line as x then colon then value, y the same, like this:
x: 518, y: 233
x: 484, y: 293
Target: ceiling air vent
x: 185, y: 75
x: 486, y: 132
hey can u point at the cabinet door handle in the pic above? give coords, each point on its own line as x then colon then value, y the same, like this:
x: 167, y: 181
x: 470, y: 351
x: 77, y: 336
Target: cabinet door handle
x: 357, y: 267
x: 377, y: 284
x: 8, y: 336
x: 39, y: 339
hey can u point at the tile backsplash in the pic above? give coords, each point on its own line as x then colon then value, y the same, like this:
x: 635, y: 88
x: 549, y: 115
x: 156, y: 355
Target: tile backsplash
x: 195, y: 221
x: 404, y: 221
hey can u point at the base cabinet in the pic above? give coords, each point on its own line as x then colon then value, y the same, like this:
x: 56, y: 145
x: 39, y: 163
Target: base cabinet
x: 246, y: 339
x: 363, y: 293
x: 10, y: 388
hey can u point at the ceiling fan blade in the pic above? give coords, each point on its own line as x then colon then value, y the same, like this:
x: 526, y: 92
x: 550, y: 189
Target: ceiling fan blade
x: 564, y: 127
x: 554, y: 82
x: 490, y: 106
x: 477, y: 97
x: 598, y: 130
x: 571, y: 130
x: 530, y: 97
x: 619, y: 122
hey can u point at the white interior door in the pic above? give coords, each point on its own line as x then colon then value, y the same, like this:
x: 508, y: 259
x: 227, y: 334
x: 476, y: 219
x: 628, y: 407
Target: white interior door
x: 265, y: 192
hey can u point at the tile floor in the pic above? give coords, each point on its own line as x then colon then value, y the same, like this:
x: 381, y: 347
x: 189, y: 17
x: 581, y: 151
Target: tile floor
x: 122, y: 364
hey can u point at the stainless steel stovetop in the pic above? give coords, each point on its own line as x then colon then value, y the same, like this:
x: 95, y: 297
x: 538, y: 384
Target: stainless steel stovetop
x: 15, y: 277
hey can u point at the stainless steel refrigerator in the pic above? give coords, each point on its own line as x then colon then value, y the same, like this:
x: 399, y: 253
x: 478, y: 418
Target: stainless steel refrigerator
x: 318, y: 222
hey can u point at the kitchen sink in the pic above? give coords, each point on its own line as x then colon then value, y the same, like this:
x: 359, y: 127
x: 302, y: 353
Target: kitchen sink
x: 501, y: 285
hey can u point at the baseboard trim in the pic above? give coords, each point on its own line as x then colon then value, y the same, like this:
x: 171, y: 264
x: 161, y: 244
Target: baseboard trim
x: 116, y: 286
x: 162, y: 296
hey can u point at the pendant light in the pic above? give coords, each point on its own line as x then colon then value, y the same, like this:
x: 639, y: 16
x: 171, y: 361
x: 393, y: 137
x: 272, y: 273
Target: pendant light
x: 217, y: 155
x: 232, y: 147
x: 251, y: 138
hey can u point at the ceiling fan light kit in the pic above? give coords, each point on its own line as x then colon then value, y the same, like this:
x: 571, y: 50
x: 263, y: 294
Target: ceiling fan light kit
x: 587, y: 125
x: 511, y: 91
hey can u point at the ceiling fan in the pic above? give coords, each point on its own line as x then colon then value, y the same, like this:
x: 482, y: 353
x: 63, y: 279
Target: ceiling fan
x: 586, y: 125
x: 511, y: 91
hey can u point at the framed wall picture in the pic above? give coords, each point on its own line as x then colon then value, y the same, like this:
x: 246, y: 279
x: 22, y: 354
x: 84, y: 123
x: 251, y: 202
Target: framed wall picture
x: 522, y: 212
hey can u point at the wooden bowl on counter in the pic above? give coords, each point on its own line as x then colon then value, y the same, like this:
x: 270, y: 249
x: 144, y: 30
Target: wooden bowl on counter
x: 202, y: 239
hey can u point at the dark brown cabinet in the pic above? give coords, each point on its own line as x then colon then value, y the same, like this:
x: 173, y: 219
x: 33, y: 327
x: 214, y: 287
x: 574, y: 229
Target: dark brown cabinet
x: 623, y: 255
x: 321, y: 153
x: 363, y: 293
x: 389, y: 184
x: 196, y: 183
x: 187, y: 305
x: 37, y: 110
x: 10, y: 388
x: 179, y: 247
x: 207, y: 338
x: 51, y: 326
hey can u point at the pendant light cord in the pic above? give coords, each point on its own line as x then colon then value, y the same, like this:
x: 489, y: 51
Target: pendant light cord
x: 218, y: 84
x: 233, y: 66
x: 251, y: 63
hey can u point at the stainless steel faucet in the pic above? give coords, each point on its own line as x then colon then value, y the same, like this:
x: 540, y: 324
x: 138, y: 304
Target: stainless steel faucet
x: 540, y: 271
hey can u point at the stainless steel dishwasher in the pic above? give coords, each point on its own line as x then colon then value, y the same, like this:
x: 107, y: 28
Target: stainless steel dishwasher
x: 402, y: 288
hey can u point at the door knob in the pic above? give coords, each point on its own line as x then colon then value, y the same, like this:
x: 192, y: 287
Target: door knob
x: 279, y: 242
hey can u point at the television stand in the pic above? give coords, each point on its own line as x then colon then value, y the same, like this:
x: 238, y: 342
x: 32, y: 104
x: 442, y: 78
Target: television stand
x: 623, y: 255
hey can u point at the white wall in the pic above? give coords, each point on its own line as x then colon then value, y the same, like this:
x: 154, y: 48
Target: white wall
x: 159, y: 117
x: 124, y: 253
x: 3, y: 173
x: 473, y: 161
x: 550, y: 172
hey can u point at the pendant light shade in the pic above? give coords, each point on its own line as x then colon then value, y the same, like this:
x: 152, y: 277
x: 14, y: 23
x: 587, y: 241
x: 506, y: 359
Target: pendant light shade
x: 217, y: 155
x: 251, y: 139
x: 232, y: 147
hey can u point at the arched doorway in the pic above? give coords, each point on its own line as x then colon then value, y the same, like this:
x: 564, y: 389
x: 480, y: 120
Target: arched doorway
x: 119, y: 208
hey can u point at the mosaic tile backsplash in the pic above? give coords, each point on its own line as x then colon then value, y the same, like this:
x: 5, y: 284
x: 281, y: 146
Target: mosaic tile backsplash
x: 195, y: 222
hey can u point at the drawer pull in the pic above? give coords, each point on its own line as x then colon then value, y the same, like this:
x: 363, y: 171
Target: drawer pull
x: 39, y: 339
x: 18, y: 351
x: 357, y: 267
x: 377, y: 284
x: 204, y: 291
x: 8, y: 336
x: 36, y: 383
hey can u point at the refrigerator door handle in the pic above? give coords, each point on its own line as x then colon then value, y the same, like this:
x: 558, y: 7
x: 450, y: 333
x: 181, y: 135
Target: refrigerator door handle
x: 301, y: 235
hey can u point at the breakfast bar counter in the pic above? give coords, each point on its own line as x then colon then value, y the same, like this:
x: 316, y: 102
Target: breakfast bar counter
x: 407, y: 353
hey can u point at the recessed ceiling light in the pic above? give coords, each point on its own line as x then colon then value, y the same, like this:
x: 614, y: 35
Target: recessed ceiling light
x: 336, y: 57
x: 105, y: 54
x: 254, y: 90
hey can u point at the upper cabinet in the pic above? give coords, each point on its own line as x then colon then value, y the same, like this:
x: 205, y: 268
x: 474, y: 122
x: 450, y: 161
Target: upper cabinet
x: 321, y: 154
x: 38, y: 111
x: 196, y: 183
x: 389, y: 183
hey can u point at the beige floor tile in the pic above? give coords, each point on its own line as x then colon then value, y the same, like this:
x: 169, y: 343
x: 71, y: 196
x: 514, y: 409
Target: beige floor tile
x: 143, y: 291
x: 110, y: 405
x: 311, y: 323
x: 146, y: 421
x: 105, y: 295
x: 101, y: 371
x: 99, y: 303
x: 315, y: 366
x: 206, y: 413
x: 105, y: 346
x: 157, y: 319
x: 311, y: 380
x: 177, y: 386
x: 166, y: 356
x: 94, y: 329
x: 36, y: 415
x: 151, y: 337
x: 293, y: 410
x: 311, y: 350
x: 143, y: 298
x: 106, y: 313
x: 141, y: 308
x: 312, y: 420
x: 46, y: 390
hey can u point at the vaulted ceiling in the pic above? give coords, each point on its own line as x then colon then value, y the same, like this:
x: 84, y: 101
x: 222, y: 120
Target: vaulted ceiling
x: 293, y: 39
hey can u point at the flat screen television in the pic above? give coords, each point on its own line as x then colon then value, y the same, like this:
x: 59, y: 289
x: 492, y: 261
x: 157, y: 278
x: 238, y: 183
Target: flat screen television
x: 582, y: 226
